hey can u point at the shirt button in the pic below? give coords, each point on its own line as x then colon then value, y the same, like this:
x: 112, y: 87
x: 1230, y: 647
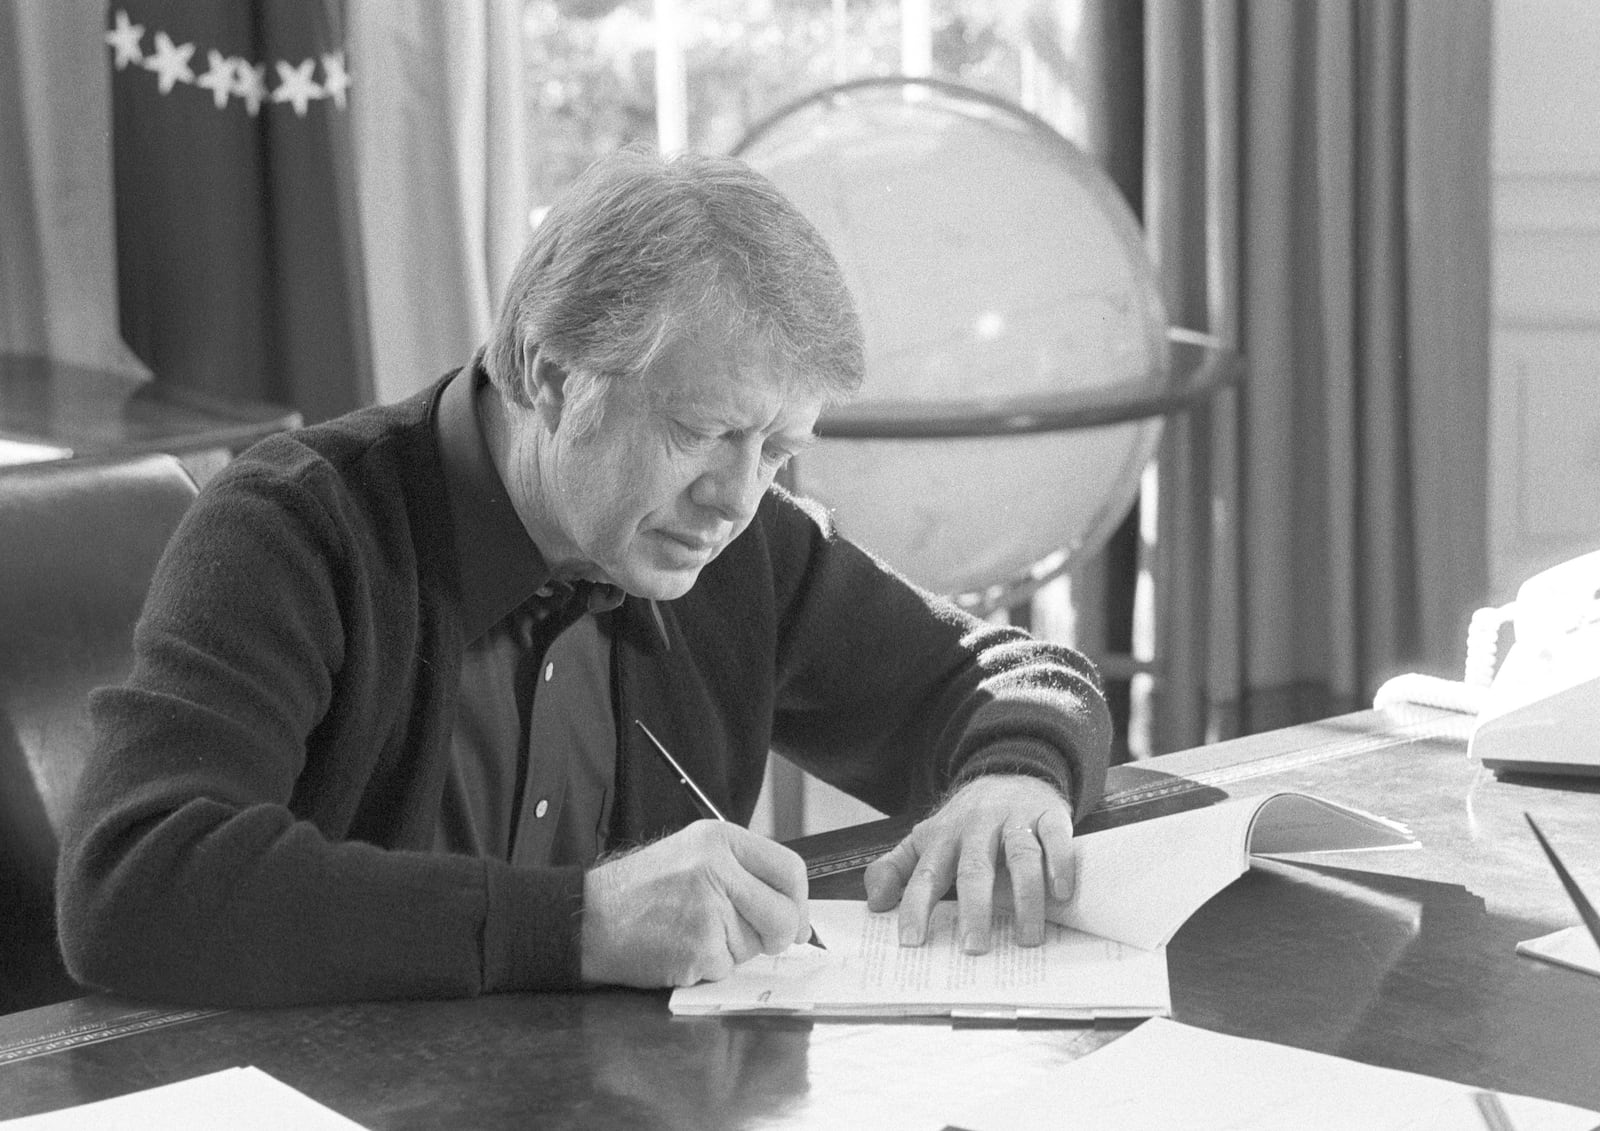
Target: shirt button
x: 549, y: 671
x: 542, y: 808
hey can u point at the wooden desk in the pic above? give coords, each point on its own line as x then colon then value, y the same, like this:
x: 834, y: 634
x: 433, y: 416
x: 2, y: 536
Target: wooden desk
x: 93, y: 412
x: 1396, y: 958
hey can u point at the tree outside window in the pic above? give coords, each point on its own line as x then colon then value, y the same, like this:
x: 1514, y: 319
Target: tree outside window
x: 591, y: 64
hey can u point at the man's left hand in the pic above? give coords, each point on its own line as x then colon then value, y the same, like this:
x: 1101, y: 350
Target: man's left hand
x: 1020, y: 821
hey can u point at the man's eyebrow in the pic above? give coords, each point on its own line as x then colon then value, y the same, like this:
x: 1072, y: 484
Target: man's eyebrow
x: 793, y: 443
x: 796, y: 441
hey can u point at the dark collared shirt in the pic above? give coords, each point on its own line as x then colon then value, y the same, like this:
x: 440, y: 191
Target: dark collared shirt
x: 533, y: 746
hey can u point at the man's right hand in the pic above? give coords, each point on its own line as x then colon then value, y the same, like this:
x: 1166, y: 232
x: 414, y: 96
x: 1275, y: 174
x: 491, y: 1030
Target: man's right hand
x: 691, y: 907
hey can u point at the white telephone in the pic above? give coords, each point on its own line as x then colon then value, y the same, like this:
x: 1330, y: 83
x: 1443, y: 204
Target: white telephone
x: 1541, y: 712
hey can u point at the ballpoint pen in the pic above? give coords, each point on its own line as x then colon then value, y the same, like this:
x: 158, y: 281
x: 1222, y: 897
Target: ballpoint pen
x: 706, y: 806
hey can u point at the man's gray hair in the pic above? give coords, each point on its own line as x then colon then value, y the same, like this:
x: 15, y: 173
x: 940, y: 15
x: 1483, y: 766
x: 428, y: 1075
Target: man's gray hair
x: 641, y: 248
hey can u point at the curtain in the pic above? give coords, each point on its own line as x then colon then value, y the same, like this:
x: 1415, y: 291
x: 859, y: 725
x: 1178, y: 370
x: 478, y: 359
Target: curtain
x: 1109, y: 51
x: 238, y: 247
x: 441, y: 174
x: 423, y: 166
x: 1317, y: 194
x: 57, y: 274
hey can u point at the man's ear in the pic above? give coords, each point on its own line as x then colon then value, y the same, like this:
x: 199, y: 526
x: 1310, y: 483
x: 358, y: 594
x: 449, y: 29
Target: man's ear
x: 547, y: 382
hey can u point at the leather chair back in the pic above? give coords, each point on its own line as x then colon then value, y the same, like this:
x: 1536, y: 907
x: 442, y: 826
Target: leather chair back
x: 79, y: 541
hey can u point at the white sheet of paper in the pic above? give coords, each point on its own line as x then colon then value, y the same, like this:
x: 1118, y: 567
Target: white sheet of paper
x: 866, y: 972
x: 240, y: 1099
x: 1139, y: 883
x: 1571, y: 946
x: 1165, y: 1074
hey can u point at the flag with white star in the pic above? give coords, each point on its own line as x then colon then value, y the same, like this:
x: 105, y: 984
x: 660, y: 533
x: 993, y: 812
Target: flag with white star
x: 238, y: 259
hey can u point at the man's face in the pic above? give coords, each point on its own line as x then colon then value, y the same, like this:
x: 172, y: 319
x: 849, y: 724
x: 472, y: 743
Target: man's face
x: 664, y: 473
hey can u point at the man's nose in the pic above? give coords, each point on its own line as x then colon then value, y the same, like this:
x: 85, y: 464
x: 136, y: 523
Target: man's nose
x: 733, y: 486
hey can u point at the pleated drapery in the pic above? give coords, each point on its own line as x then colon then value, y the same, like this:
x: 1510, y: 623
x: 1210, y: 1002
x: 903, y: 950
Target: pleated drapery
x: 1317, y: 194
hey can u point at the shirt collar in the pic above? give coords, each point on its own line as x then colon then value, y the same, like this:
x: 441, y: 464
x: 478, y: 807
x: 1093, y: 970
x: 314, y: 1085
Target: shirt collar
x: 498, y: 565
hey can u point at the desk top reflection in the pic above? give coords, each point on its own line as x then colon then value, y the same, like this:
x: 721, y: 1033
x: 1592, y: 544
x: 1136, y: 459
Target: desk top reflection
x: 75, y: 410
x: 1401, y: 958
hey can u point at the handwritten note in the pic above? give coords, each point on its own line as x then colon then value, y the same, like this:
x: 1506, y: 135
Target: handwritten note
x: 865, y: 971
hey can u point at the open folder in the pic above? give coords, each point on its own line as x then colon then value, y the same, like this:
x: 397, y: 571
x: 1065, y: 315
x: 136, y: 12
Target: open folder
x: 1105, y: 949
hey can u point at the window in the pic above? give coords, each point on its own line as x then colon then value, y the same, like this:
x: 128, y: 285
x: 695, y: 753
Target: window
x: 700, y: 73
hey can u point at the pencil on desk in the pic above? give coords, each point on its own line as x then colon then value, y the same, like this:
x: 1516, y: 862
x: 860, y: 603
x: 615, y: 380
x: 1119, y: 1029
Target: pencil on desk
x: 704, y: 803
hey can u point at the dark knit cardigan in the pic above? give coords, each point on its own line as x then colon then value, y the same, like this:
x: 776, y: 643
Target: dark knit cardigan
x: 255, y: 822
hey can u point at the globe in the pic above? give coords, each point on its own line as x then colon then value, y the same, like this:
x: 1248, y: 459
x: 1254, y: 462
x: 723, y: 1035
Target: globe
x: 993, y: 263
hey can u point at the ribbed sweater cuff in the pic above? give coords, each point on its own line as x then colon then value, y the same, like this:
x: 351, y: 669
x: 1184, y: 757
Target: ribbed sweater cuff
x: 533, y: 927
x: 1021, y: 756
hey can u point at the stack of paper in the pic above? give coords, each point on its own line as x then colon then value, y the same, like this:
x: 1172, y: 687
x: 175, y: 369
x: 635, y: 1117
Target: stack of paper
x: 866, y: 972
x: 1139, y: 883
x: 1164, y: 1075
x: 1104, y: 955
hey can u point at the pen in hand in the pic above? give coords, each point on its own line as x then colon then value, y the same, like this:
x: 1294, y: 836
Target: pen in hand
x: 702, y: 802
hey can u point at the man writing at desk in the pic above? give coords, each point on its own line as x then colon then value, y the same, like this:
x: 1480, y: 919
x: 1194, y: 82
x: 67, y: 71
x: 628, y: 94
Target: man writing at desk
x: 379, y: 739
